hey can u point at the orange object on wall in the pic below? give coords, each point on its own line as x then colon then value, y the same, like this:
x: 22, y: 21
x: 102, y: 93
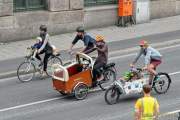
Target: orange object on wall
x: 125, y: 8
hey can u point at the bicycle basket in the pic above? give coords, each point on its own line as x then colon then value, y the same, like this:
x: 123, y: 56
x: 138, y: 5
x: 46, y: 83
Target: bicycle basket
x: 29, y: 52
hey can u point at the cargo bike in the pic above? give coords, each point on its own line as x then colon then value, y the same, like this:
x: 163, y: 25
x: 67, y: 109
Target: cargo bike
x: 77, y: 78
x: 160, y: 84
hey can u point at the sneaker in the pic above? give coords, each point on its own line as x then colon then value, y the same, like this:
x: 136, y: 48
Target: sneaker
x: 33, y: 59
x: 94, y: 84
x: 44, y: 74
x: 40, y: 64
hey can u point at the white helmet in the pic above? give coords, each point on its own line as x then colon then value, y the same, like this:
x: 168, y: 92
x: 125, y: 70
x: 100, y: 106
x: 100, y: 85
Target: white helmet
x: 39, y: 38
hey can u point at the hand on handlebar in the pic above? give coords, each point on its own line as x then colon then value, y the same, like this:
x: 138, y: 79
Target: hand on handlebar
x: 144, y: 68
x: 131, y: 65
x: 38, y: 51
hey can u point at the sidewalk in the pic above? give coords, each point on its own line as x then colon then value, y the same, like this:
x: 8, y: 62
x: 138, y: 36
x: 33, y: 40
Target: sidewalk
x: 113, y: 33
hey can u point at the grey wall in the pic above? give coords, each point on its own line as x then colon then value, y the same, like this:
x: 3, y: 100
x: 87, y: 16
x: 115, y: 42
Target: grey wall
x: 162, y: 8
x: 59, y: 18
x: 26, y: 25
x: 178, y: 7
x: 100, y: 16
x: 65, y: 15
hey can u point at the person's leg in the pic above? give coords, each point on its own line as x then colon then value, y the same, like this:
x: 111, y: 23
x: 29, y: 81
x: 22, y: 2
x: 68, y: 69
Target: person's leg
x: 37, y: 56
x: 95, y: 72
x: 46, y: 57
x: 97, y: 68
x: 151, y: 70
x: 34, y: 53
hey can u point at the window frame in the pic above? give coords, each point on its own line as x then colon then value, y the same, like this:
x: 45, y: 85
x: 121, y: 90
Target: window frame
x: 99, y: 2
x: 28, y: 7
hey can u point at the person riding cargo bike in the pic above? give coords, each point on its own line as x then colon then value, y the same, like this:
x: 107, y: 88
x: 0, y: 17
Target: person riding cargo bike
x: 102, y: 58
x: 153, y: 58
x: 85, y: 73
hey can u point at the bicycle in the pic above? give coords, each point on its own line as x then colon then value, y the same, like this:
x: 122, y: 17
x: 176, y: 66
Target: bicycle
x: 77, y: 78
x: 27, y: 69
x: 160, y: 84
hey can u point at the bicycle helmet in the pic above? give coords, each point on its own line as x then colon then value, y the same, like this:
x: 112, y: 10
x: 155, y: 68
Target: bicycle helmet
x: 143, y: 43
x: 80, y: 29
x: 39, y: 39
x: 99, y: 38
x: 43, y: 28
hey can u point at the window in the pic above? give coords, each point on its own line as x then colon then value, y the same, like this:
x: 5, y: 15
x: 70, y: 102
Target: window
x: 25, y: 5
x: 99, y: 2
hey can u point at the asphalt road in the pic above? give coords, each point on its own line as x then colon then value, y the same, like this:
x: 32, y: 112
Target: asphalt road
x: 11, y: 65
x: 36, y: 100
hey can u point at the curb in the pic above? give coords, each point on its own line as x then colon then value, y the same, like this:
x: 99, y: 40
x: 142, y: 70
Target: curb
x: 119, y: 52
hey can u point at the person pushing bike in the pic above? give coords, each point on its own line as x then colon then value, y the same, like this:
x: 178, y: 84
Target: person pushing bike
x: 89, y: 42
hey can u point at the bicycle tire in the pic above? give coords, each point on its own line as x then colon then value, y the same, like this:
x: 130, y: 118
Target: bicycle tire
x: 20, y: 74
x: 81, y: 91
x: 114, y: 93
x: 161, y: 83
x: 53, y: 60
x: 103, y: 84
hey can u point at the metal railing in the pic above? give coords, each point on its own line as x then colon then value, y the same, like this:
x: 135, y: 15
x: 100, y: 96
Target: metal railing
x: 174, y: 115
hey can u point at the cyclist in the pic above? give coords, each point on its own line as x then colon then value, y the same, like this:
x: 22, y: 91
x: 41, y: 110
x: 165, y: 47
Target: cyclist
x: 45, y: 48
x: 102, y: 58
x: 89, y: 42
x: 152, y: 58
x: 146, y: 108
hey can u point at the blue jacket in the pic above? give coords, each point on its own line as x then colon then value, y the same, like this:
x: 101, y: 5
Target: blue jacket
x: 149, y: 54
x: 87, y: 39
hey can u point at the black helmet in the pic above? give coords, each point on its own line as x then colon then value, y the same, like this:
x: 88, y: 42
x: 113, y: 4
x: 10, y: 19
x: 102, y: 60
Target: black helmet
x: 80, y: 29
x: 43, y: 28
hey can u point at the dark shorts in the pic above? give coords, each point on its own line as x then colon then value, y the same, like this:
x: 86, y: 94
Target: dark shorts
x: 155, y: 62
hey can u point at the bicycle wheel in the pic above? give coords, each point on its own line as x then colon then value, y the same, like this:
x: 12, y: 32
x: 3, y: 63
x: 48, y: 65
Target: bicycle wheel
x: 80, y: 91
x: 109, y: 78
x: 26, y: 71
x: 112, y: 95
x: 161, y: 83
x: 51, y: 61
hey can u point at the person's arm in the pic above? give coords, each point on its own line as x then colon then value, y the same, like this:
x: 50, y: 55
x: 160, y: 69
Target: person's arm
x: 103, y: 49
x: 44, y: 43
x: 137, y: 115
x: 71, y: 47
x: 138, y: 110
x: 90, y: 50
x: 138, y: 56
x: 156, y: 109
x: 147, y: 57
x: 74, y: 42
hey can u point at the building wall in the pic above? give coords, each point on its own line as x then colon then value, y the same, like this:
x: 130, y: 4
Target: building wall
x: 178, y: 7
x: 65, y: 15
x: 162, y: 8
x: 100, y: 16
x: 59, y: 18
